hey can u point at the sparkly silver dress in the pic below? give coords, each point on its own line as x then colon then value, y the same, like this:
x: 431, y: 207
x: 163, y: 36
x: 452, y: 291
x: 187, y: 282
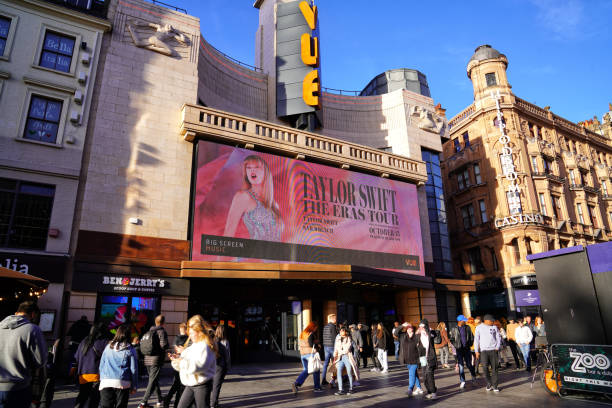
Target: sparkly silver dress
x: 261, y: 223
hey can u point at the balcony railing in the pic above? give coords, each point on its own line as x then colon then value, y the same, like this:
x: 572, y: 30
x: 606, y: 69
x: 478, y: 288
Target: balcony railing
x: 576, y: 186
x: 464, y: 114
x: 555, y: 178
x: 590, y: 189
x: 208, y: 123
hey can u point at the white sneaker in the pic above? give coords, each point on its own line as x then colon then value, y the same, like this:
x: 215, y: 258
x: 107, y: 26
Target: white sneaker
x: 432, y: 396
x: 462, y: 384
x: 489, y: 388
x: 384, y: 371
x: 418, y: 391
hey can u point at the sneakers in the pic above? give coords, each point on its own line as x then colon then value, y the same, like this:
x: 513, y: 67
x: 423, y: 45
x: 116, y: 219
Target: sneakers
x: 384, y: 371
x: 418, y: 391
x: 462, y: 384
x: 318, y: 390
x: 349, y: 392
x: 431, y: 396
x: 373, y: 370
x: 339, y: 392
x: 489, y: 388
x: 495, y: 389
x: 294, y: 388
x: 324, y: 382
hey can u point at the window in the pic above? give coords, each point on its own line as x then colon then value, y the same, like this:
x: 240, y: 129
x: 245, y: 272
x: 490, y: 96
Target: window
x: 474, y: 256
x: 534, y: 164
x: 514, y: 202
x: 556, y: 203
x: 491, y: 80
x: 548, y: 166
x: 463, y: 179
x: 139, y: 312
x: 580, y: 216
x: 483, y: 211
x: 572, y: 175
x: 592, y: 215
x: 496, y: 122
x: 528, y: 246
x: 604, y: 187
x: 466, y: 139
x: 542, y: 203
x: 25, y: 213
x: 43, y: 119
x: 467, y: 213
x: 457, y: 145
x: 494, y: 259
x: 57, y: 51
x: 477, y: 174
x: 610, y: 214
x: 5, y: 25
x: 515, y: 252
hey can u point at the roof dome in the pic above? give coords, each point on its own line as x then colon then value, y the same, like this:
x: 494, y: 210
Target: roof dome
x: 485, y: 52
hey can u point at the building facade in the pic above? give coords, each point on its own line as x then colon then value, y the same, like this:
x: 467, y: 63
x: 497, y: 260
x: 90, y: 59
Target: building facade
x: 519, y: 180
x: 48, y: 63
x: 603, y: 127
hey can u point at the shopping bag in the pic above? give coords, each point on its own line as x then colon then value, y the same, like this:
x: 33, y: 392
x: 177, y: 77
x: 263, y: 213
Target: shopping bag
x: 314, y: 362
x: 423, y: 361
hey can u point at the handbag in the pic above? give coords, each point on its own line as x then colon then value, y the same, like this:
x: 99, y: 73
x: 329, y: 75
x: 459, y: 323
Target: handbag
x: 314, y: 362
x: 423, y: 361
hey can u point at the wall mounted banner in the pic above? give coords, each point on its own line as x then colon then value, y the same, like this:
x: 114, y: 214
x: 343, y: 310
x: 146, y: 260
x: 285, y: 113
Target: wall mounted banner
x: 527, y: 297
x: 584, y: 367
x: 257, y: 207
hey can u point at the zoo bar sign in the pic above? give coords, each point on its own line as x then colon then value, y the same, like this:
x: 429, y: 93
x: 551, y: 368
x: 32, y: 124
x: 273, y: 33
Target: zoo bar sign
x: 584, y: 367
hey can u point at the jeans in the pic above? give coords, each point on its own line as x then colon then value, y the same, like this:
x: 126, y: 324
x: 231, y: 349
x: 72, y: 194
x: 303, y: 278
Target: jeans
x: 329, y: 353
x: 396, y: 343
x: 344, y: 361
x: 525, y: 350
x: 217, y: 383
x: 382, y: 357
x: 304, y: 374
x: 198, y: 394
x: 153, y: 384
x: 444, y: 355
x: 490, y: 358
x: 413, y: 376
x: 464, y: 356
x: 114, y: 397
x: 16, y: 398
x: 88, y: 391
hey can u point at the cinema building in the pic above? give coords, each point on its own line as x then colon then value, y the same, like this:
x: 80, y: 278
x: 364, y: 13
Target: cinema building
x: 519, y: 180
x: 251, y: 195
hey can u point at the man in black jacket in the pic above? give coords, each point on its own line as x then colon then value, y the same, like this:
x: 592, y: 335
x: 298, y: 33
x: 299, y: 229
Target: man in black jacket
x: 330, y: 331
x: 462, y: 339
x: 155, y: 362
x: 357, y: 343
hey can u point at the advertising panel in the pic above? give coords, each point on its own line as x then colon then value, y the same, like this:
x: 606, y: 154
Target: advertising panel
x: 527, y: 297
x: 257, y: 207
x: 584, y: 367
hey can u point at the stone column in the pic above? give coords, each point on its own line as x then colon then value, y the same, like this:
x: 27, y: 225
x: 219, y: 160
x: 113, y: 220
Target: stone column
x: 465, y: 304
x: 306, y: 312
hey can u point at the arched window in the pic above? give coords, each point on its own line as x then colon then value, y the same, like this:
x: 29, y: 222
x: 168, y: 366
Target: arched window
x: 515, y: 252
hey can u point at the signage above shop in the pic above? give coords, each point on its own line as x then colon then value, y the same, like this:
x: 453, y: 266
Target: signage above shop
x: 527, y: 297
x: 489, y: 284
x: 107, y: 283
x: 536, y: 218
x: 525, y: 280
x: 48, y: 267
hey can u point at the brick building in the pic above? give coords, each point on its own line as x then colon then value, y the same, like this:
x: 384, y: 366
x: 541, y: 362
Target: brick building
x: 537, y: 182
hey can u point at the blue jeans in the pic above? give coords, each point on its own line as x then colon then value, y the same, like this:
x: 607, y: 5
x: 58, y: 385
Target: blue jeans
x: 329, y: 353
x: 304, y: 374
x: 396, y: 342
x: 344, y: 362
x: 525, y: 351
x: 413, y: 376
x: 464, y: 356
x: 16, y: 398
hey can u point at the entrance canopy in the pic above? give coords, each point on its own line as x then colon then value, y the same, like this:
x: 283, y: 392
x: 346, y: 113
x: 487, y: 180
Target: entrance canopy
x: 356, y: 275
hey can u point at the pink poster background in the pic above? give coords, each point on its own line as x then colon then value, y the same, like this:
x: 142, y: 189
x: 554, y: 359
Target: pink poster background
x: 220, y: 177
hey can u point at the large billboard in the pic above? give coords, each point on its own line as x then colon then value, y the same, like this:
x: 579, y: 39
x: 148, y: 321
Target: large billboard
x: 257, y: 207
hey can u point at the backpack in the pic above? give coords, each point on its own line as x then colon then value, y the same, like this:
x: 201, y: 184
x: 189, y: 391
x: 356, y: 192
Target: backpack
x: 149, y: 344
x: 438, y: 338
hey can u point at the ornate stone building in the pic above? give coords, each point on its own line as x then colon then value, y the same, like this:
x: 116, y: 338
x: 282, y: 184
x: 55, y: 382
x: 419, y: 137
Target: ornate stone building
x: 518, y: 180
x: 604, y: 127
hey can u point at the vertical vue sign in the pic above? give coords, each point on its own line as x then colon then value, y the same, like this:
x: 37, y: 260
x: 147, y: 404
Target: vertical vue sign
x: 297, y: 58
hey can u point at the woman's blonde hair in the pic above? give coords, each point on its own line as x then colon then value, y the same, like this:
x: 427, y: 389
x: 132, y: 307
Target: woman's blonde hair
x: 268, y: 182
x: 204, y: 331
x: 441, y: 326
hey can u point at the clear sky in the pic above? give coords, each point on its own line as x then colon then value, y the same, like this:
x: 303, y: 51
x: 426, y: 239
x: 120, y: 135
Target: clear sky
x: 559, y: 52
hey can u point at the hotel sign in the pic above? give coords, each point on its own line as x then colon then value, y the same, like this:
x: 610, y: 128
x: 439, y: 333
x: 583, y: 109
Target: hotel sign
x: 298, y: 84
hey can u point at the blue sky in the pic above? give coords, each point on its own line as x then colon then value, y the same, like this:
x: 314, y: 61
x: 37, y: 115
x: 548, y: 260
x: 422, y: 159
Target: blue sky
x: 559, y: 52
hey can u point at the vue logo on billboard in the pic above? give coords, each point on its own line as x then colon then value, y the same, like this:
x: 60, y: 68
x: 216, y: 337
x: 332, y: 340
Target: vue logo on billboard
x: 309, y: 47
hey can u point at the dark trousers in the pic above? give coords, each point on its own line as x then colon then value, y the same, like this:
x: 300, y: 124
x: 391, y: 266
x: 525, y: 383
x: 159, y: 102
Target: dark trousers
x: 515, y: 352
x: 198, y: 394
x: 357, y: 356
x: 217, y: 383
x: 427, y: 373
x: 465, y: 357
x: 114, y: 397
x: 377, y: 364
x: 16, y: 398
x: 490, y: 358
x: 176, y: 388
x: 153, y: 384
x: 364, y: 356
x: 88, y: 391
x: 476, y: 362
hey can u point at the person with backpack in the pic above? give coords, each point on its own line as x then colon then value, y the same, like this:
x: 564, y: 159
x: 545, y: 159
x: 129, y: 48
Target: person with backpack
x: 118, y: 370
x: 441, y: 343
x: 153, y: 346
x: 88, y: 357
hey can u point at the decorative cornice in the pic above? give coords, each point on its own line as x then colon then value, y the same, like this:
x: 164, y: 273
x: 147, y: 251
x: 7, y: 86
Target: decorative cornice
x: 49, y: 85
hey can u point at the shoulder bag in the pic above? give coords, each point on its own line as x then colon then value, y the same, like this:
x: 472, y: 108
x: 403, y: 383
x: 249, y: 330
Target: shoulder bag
x: 314, y: 362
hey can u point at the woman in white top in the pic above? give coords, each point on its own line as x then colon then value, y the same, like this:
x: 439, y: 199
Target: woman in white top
x: 196, y: 364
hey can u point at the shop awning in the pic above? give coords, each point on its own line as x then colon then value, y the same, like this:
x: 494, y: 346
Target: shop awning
x: 349, y: 274
x: 456, y: 285
x: 23, y: 278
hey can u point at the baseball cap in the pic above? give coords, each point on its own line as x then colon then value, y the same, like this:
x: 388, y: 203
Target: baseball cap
x: 488, y: 317
x: 461, y: 318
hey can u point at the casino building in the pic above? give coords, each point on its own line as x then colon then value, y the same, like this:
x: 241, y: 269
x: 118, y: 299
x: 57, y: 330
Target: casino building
x: 537, y: 182
x: 251, y: 195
